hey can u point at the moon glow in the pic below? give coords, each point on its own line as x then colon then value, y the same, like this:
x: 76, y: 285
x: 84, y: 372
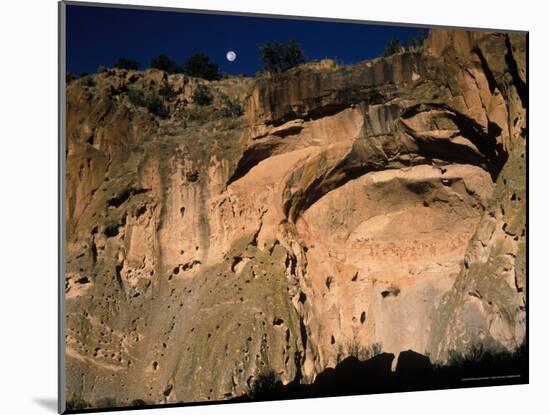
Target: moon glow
x: 231, y: 56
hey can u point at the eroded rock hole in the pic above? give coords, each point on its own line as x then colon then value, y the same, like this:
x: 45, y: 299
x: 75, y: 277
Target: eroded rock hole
x: 83, y: 280
x: 118, y: 275
x: 140, y: 211
x: 111, y: 231
x: 168, y: 390
x: 93, y: 249
x: 236, y: 261
x: 192, y: 176
x: 119, y: 199
x: 190, y: 265
x: 392, y: 291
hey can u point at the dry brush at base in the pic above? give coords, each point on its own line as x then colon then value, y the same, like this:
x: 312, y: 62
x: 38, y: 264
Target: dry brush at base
x: 353, y: 210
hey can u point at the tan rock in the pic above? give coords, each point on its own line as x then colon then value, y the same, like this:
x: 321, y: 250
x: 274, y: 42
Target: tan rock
x: 351, y: 210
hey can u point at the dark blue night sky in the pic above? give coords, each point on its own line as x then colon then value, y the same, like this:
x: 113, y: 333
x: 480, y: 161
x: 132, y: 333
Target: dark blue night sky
x: 98, y: 36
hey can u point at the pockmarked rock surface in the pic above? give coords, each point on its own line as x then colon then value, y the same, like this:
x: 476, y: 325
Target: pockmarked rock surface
x: 351, y: 210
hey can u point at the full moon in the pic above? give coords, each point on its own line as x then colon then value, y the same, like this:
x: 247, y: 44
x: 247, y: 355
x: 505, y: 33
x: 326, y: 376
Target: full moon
x: 231, y: 56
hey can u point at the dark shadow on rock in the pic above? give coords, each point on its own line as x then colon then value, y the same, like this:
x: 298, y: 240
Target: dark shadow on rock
x: 413, y: 368
x: 480, y: 364
x: 414, y: 372
x: 352, y: 376
x: 48, y: 403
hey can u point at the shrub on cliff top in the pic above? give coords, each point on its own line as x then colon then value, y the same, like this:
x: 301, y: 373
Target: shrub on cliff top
x: 164, y: 63
x: 415, y: 41
x: 393, y: 47
x: 199, y: 66
x: 69, y: 77
x: 87, y: 80
x: 278, y: 57
x: 125, y: 63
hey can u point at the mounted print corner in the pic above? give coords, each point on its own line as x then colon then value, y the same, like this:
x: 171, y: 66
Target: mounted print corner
x: 263, y: 207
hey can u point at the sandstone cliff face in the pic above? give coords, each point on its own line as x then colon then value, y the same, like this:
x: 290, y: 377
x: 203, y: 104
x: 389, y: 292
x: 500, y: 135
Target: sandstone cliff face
x: 351, y: 210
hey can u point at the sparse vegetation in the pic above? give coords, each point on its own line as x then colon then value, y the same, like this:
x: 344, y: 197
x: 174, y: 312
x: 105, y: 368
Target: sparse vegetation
x: 138, y: 402
x: 77, y: 403
x: 415, y: 41
x: 393, y: 47
x: 359, y: 351
x: 136, y: 97
x: 125, y: 63
x: 199, y: 66
x: 107, y: 403
x: 167, y: 92
x: 156, y: 106
x: 279, y: 57
x: 478, y: 357
x: 164, y: 63
x: 202, y: 96
x: 69, y: 77
x: 265, y: 385
x: 230, y: 107
x: 87, y: 80
x: 376, y: 375
x: 195, y: 115
x: 153, y: 102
